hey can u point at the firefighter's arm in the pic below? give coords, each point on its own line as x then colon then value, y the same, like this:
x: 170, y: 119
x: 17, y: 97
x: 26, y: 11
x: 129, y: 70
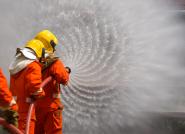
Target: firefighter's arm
x: 59, y: 72
x: 5, y: 94
x: 8, y: 103
x: 33, y: 81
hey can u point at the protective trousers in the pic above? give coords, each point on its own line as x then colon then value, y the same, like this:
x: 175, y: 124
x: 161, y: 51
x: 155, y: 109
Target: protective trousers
x: 49, y: 122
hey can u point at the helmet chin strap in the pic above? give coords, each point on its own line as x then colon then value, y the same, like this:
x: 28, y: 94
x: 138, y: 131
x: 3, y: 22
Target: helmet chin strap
x: 52, y: 43
x: 43, y: 56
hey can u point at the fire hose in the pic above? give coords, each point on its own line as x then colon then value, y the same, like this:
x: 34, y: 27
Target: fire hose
x: 11, y: 128
x: 45, y: 82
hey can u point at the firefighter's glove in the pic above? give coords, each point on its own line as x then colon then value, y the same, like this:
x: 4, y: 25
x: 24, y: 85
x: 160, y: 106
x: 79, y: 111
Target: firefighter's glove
x: 68, y: 69
x: 10, y: 116
x: 37, y: 95
x: 32, y: 98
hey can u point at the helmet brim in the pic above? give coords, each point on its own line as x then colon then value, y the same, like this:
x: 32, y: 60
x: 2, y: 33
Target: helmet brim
x: 28, y: 53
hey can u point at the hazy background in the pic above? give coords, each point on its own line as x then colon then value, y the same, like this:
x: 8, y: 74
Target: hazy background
x: 126, y: 57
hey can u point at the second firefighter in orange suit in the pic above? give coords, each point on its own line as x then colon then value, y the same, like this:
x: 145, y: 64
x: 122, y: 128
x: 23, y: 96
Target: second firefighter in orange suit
x: 25, y: 80
x: 49, y: 108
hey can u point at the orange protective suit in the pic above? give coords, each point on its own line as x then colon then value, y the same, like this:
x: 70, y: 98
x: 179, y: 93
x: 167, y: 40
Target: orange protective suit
x: 49, y: 108
x: 24, y: 84
x: 6, y: 99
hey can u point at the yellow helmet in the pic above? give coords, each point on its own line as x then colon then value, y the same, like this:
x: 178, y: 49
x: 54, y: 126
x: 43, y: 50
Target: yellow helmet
x: 48, y: 39
x: 36, y: 45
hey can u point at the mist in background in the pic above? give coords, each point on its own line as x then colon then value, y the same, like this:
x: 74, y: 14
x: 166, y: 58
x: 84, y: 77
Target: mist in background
x: 127, y: 57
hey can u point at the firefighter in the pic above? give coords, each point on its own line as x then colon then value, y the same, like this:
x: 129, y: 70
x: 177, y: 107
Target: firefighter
x: 7, y: 103
x: 49, y: 108
x: 25, y: 80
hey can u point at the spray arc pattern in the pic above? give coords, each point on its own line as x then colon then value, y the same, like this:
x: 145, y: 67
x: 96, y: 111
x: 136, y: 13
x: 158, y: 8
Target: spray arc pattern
x: 124, y: 56
x: 86, y: 47
x: 91, y: 47
x: 116, y: 61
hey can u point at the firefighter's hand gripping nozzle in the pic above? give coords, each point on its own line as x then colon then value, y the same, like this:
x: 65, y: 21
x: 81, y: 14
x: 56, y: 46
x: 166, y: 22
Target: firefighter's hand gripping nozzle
x: 68, y: 69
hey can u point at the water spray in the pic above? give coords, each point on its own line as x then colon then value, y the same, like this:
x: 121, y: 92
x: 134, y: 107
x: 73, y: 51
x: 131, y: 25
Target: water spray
x: 126, y: 57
